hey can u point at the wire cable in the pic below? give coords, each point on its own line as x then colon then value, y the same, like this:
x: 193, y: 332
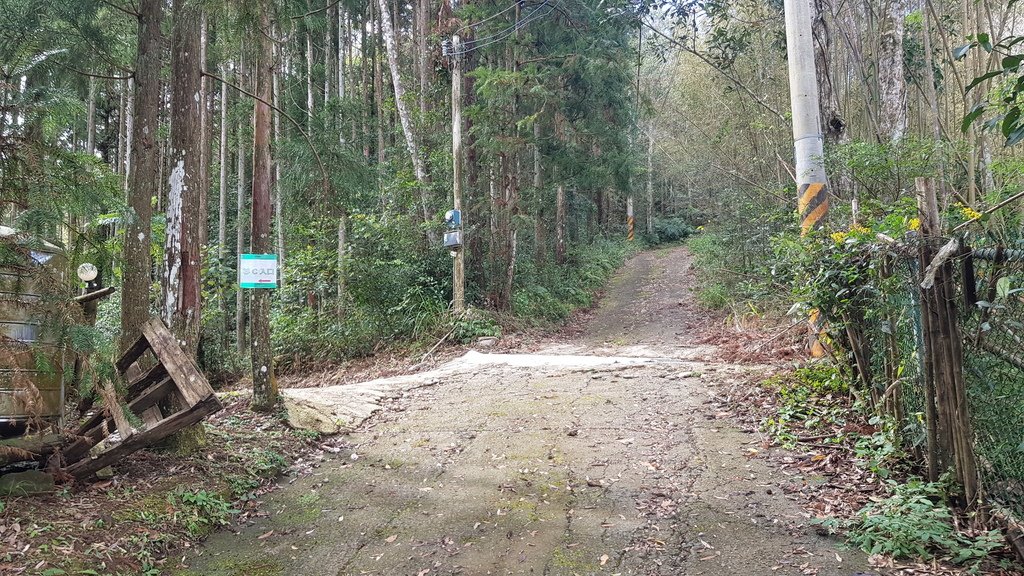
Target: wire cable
x: 491, y: 17
x: 499, y: 36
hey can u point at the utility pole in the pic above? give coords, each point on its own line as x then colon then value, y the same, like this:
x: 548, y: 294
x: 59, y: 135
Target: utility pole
x: 459, y: 262
x: 808, y: 141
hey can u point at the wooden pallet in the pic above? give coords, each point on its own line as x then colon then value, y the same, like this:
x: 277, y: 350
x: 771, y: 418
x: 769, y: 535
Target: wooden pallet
x: 172, y: 379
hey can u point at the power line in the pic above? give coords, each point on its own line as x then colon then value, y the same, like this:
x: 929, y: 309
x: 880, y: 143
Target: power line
x: 491, y: 17
x: 480, y: 43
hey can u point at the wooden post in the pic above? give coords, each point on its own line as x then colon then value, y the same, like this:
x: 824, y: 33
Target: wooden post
x: 950, y: 437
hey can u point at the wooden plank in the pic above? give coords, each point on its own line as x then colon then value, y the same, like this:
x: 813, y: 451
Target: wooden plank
x: 191, y: 383
x: 15, y: 449
x: 133, y: 353
x: 133, y: 371
x: 88, y: 466
x: 152, y: 416
x: 135, y: 386
x: 154, y: 375
x: 151, y: 396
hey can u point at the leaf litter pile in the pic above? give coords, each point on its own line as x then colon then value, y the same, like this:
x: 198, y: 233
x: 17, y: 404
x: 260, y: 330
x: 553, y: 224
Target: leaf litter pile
x: 158, y: 503
x: 839, y: 459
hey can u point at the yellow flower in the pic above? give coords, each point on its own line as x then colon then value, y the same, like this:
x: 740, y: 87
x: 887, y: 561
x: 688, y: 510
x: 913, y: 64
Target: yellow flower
x: 859, y: 229
x: 970, y: 213
x: 914, y: 224
x: 838, y: 237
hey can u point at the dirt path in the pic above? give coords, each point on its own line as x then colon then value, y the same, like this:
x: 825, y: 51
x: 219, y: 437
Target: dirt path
x: 596, y: 456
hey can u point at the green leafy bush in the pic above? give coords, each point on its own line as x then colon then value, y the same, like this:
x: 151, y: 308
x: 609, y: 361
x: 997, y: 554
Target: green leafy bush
x: 914, y: 522
x: 200, y: 511
x: 810, y: 398
x: 671, y: 230
x: 475, y: 324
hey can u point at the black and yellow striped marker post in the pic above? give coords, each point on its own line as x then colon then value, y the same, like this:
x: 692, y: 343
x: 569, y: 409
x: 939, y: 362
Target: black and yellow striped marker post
x: 813, y: 206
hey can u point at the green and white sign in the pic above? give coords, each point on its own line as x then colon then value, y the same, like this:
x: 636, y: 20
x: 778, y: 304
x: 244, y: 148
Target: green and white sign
x: 257, y: 270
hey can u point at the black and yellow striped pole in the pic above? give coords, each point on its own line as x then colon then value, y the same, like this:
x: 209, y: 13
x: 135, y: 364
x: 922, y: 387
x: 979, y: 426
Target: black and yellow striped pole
x: 812, y: 203
x: 808, y: 141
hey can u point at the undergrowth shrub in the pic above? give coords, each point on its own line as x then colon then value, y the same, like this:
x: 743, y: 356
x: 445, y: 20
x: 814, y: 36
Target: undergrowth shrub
x: 668, y: 230
x: 914, y: 521
x: 735, y: 259
x: 475, y: 324
x: 550, y: 294
x: 811, y: 399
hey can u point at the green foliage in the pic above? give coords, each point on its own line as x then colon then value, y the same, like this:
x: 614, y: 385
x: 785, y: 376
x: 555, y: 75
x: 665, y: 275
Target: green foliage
x: 810, y: 399
x: 880, y: 451
x: 914, y: 521
x: 200, y: 511
x: 1005, y: 99
x: 885, y: 171
x: 734, y: 255
x: 475, y: 325
x: 667, y: 230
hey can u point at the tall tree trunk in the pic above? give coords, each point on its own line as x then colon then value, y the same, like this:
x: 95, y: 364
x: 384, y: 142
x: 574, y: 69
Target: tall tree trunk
x: 650, y: 178
x: 329, y: 52
x: 222, y: 184
x: 891, y: 79
x: 122, y: 126
x: 378, y: 85
x: 538, y: 192
x: 342, y: 251
x: 206, y: 132
x: 403, y: 115
x: 364, y: 88
x: 342, y: 48
x: 90, y: 119
x: 240, y: 341
x: 144, y: 174
x: 309, y: 78
x: 222, y: 205
x: 278, y: 200
x: 560, y: 225
x: 422, y: 54
x: 181, y: 308
x: 264, y: 383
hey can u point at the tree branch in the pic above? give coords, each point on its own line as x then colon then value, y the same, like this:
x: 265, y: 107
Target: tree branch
x: 1002, y: 204
x: 132, y: 13
x: 101, y: 76
x: 704, y: 59
x: 318, y: 10
x: 312, y: 148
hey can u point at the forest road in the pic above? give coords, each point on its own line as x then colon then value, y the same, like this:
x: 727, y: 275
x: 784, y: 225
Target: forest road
x: 594, y: 456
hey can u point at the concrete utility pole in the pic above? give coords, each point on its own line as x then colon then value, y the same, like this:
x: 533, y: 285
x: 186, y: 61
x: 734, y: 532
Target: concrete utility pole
x: 808, y: 140
x: 459, y: 263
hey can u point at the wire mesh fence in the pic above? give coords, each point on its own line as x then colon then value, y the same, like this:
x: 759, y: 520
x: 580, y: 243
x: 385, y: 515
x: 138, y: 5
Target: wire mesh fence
x: 993, y: 333
x: 990, y: 301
